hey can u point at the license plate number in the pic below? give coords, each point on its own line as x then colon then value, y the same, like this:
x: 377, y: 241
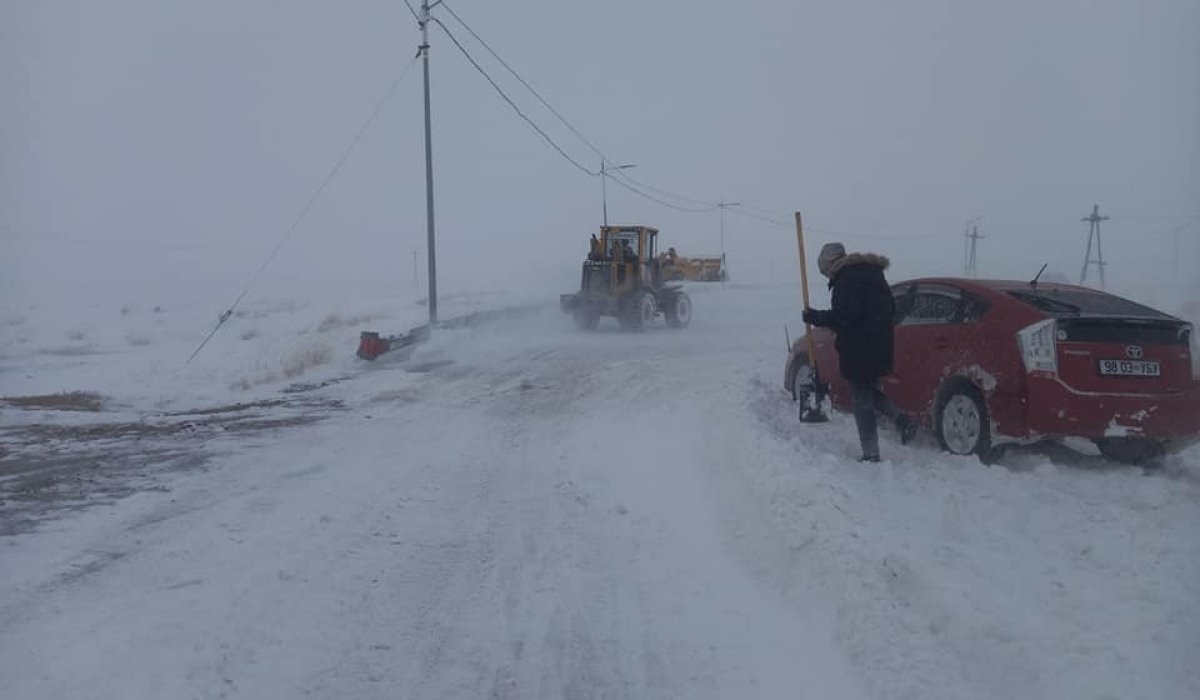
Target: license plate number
x: 1130, y: 368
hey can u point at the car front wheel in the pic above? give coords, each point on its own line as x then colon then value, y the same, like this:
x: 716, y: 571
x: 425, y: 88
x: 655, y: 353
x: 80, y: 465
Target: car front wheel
x: 802, y: 380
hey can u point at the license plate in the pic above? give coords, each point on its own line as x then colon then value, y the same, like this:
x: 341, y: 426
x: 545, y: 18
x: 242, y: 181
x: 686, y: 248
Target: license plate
x: 1130, y: 368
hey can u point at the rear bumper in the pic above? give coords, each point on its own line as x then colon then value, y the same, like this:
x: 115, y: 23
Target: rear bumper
x: 1054, y: 409
x: 569, y: 303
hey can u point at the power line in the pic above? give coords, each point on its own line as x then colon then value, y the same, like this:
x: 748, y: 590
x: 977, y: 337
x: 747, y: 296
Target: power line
x: 535, y: 93
x: 778, y: 214
x: 620, y: 177
x: 329, y: 177
x: 414, y: 12
x: 500, y: 91
x: 677, y: 207
x: 631, y: 183
x: 751, y: 215
x: 542, y: 132
x: 668, y: 193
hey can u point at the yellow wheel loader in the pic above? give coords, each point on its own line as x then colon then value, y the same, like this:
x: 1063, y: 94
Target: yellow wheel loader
x: 623, y: 278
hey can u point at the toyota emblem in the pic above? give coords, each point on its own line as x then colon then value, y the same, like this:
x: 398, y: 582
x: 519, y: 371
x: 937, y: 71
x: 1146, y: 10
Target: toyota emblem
x: 1134, y: 352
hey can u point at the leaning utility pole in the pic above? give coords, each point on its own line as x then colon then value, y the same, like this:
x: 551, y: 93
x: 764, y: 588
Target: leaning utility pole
x: 1093, y: 234
x: 424, y: 21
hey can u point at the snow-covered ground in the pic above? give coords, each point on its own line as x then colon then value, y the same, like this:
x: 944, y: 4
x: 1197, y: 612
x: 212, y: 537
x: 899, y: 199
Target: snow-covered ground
x: 521, y: 510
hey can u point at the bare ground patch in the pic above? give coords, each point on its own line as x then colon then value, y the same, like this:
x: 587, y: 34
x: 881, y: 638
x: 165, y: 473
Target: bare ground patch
x: 66, y: 401
x: 47, y: 469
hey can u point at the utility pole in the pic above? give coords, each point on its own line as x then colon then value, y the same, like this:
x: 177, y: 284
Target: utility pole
x: 970, y: 237
x: 604, y: 183
x: 431, y: 249
x: 1093, y: 233
x: 723, y: 205
x: 973, y: 237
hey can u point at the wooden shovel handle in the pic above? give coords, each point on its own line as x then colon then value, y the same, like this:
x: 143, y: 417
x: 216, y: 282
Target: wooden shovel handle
x: 812, y: 357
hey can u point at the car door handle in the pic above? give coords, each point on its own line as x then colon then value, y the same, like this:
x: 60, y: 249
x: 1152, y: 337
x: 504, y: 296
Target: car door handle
x: 941, y: 342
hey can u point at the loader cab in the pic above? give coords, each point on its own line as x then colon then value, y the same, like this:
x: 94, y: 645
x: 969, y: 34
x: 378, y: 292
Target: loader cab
x: 632, y: 250
x: 640, y: 239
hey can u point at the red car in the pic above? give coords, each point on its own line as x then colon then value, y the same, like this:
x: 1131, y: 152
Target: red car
x: 989, y: 363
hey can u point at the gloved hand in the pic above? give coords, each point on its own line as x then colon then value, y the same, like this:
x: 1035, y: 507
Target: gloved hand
x: 809, y: 315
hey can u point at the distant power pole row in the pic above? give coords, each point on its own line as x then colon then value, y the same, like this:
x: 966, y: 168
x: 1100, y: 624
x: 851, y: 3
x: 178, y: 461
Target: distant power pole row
x: 1093, y: 221
x: 971, y: 238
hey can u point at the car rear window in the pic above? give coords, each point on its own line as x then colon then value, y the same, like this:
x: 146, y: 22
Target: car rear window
x: 1075, y: 302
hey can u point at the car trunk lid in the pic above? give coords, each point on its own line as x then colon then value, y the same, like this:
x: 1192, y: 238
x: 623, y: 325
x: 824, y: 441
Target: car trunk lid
x: 1116, y: 355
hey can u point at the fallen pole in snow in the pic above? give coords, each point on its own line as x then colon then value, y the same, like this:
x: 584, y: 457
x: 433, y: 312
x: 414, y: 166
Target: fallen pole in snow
x: 371, y: 345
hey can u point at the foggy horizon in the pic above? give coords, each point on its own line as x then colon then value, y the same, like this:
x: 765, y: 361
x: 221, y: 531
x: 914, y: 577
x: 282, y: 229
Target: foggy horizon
x: 151, y: 143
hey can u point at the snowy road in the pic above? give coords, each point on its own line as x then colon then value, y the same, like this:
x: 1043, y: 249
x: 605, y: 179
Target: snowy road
x: 529, y: 512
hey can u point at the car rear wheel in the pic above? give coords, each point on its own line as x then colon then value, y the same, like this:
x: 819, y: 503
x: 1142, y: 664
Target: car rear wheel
x: 1137, y: 451
x: 961, y: 421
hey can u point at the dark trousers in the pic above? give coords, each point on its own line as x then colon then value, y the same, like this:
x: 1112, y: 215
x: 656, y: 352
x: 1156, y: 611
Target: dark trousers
x: 868, y: 400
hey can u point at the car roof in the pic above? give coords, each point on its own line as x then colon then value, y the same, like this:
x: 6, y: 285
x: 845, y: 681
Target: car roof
x: 1002, y: 286
x: 996, y: 285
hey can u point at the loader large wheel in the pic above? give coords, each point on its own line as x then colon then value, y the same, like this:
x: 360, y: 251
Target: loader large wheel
x: 640, y: 313
x: 679, y: 311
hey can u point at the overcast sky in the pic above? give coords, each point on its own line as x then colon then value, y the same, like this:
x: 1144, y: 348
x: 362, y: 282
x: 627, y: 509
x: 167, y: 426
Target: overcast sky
x: 158, y: 144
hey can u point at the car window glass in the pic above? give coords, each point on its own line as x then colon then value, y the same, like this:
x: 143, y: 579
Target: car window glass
x: 933, y: 305
x: 903, y: 297
x: 973, y: 308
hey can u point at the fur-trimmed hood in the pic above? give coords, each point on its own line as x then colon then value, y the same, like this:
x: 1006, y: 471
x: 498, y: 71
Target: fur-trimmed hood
x: 857, y: 259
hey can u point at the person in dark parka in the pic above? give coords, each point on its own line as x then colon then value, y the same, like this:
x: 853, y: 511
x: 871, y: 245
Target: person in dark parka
x: 862, y: 315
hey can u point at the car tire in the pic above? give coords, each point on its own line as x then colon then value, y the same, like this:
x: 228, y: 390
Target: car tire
x: 1133, y: 451
x: 961, y: 423
x: 801, y: 381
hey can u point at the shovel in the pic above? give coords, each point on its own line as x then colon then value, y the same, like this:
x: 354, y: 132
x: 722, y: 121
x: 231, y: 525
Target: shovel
x: 811, y: 410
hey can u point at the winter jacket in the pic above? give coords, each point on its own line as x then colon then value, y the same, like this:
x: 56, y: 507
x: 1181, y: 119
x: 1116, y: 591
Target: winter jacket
x: 862, y: 316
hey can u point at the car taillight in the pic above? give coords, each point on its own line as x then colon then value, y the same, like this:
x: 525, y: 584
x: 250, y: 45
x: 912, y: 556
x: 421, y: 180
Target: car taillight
x: 1195, y: 343
x: 1039, y: 347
